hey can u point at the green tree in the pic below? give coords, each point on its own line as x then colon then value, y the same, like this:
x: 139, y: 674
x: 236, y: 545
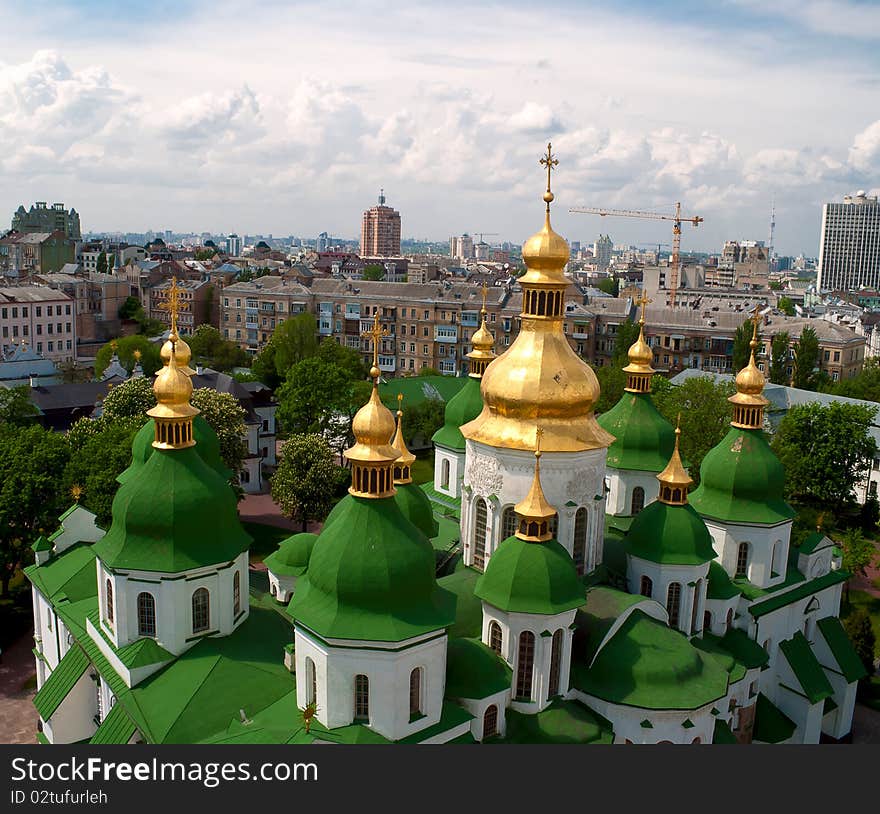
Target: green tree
x: 610, y: 285
x: 786, y: 306
x: 101, y: 265
x: 374, y: 272
x: 125, y: 348
x: 132, y: 398
x: 72, y: 373
x: 861, y: 633
x: 226, y: 417
x: 430, y: 371
x: 775, y: 285
x: 423, y: 419
x: 130, y: 308
x: 204, y: 254
x: 627, y: 334
x: 313, y: 396
x: 869, y: 514
x: 612, y: 380
x: 705, y: 414
x: 31, y: 460
x: 306, y: 479
x: 866, y: 385
x: 825, y: 451
x: 779, y: 358
x: 741, y: 348
x: 212, y: 350
x: 263, y: 367
x: 294, y: 340
x: 859, y: 554
x: 348, y: 359
x: 806, y: 360
x: 16, y: 406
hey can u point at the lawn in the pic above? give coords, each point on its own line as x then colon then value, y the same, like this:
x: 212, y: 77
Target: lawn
x: 266, y: 539
x: 423, y: 469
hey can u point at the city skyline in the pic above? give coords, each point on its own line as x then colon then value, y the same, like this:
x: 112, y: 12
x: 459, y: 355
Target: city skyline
x: 724, y: 108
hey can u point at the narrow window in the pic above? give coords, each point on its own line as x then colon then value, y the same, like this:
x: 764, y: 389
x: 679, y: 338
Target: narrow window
x: 647, y: 587
x: 495, y: 637
x: 673, y: 601
x: 742, y: 560
x: 638, y: 500
x: 697, y: 589
x: 236, y: 594
x: 508, y: 523
x: 525, y: 664
x: 361, y: 698
x: 555, y: 661
x: 579, y: 550
x: 490, y: 722
x: 480, y: 534
x: 200, y: 610
x: 146, y: 614
x: 730, y: 619
x: 311, y: 682
x: 415, y: 692
x: 707, y: 622
x: 444, y: 474
x: 109, y: 600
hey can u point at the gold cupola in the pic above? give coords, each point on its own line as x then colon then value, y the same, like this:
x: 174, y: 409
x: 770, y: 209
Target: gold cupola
x: 534, y: 511
x: 483, y: 343
x: 639, y: 372
x: 173, y: 413
x: 749, y: 401
x: 405, y: 459
x: 182, y: 351
x: 540, y: 379
x: 372, y: 455
x: 674, y: 479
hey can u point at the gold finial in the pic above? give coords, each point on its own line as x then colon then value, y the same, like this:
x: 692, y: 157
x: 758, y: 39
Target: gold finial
x: 483, y: 343
x: 76, y: 492
x: 819, y: 521
x: 642, y: 302
x: 113, y: 345
x: 174, y: 304
x: 539, y: 434
x: 754, y: 319
x: 137, y: 355
x: 405, y: 460
x: 674, y: 479
x: 375, y: 334
x: 173, y: 413
x: 534, y: 510
x: 749, y: 401
x: 485, y: 294
x: 549, y: 161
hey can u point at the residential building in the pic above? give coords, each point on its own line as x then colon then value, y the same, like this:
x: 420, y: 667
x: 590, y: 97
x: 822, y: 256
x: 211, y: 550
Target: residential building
x: 98, y: 298
x: 42, y: 317
x: 199, y: 304
x: 849, y: 246
x: 233, y: 245
x: 43, y: 218
x: 461, y: 248
x: 380, y: 230
x: 602, y: 248
x: 24, y: 253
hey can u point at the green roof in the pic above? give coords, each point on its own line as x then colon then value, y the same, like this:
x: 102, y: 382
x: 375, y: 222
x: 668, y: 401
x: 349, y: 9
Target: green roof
x: 292, y: 557
x: 178, y: 514
x: 648, y: 665
x: 416, y: 507
x: 672, y: 535
x: 719, y: 585
x: 117, y: 727
x: 371, y: 577
x: 741, y: 480
x: 806, y: 667
x: 722, y: 732
x: 41, y: 544
x: 560, y: 722
x: 474, y: 670
x: 712, y: 645
x: 772, y: 725
x: 465, y: 406
x: 60, y: 682
x: 814, y: 542
x: 468, y: 606
x: 142, y: 652
x: 644, y: 439
x: 72, y: 574
x: 419, y: 389
x: 842, y: 648
x: 780, y: 600
x: 601, y: 610
x: 526, y: 577
x: 745, y: 650
x: 449, y: 505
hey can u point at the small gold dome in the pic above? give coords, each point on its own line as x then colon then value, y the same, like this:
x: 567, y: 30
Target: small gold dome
x: 404, y: 456
x: 545, y: 253
x: 181, y: 350
x: 373, y: 426
x: 640, y: 355
x: 534, y: 510
x: 172, y: 389
x: 750, y: 380
x: 674, y: 479
x: 483, y: 340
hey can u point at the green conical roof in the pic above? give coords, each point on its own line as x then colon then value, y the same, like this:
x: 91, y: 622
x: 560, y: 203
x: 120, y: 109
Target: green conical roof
x: 741, y: 481
x: 463, y: 407
x: 526, y: 577
x: 644, y: 439
x: 292, y: 557
x: 474, y: 670
x: 673, y: 535
x: 371, y: 577
x: 207, y: 444
x: 416, y: 508
x: 177, y: 514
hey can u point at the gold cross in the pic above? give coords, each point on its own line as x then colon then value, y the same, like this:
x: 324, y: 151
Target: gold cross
x: 549, y: 161
x: 376, y: 334
x: 754, y: 320
x: 174, y: 304
x: 643, y: 301
x: 539, y: 434
x: 485, y: 293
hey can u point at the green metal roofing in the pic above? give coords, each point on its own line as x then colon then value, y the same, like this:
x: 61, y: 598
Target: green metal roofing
x: 644, y: 439
x: 474, y: 670
x: 772, y: 725
x: 601, y: 610
x: 722, y: 733
x: 741, y: 481
x: 117, y: 727
x: 842, y: 648
x: 416, y: 507
x: 178, y: 514
x: 711, y: 645
x: 561, y: 722
x: 371, y: 577
x: 41, y: 544
x: 60, y: 682
x: 71, y: 573
x: 646, y: 664
x: 745, y: 650
x: 719, y: 584
x: 672, y: 535
x: 780, y: 600
x: 452, y: 716
x: 468, y: 607
x: 450, y: 505
x: 143, y: 652
x: 526, y: 577
x: 806, y: 667
x: 465, y: 406
x: 815, y: 542
x: 419, y: 389
x: 292, y: 557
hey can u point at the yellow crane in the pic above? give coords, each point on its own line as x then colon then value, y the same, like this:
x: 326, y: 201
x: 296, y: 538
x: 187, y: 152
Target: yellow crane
x: 677, y: 219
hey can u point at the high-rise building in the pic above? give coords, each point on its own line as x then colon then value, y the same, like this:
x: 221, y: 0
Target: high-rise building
x: 380, y: 230
x: 849, y: 249
x: 41, y: 218
x: 322, y: 244
x: 233, y: 245
x: 461, y: 248
x: 602, y: 251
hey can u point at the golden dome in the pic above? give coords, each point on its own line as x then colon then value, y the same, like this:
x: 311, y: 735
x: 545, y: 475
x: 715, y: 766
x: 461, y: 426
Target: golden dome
x: 674, y: 479
x: 750, y: 380
x: 640, y: 355
x: 483, y: 340
x: 404, y: 457
x: 534, y: 509
x: 749, y: 401
x: 545, y: 254
x: 181, y: 350
x: 373, y: 426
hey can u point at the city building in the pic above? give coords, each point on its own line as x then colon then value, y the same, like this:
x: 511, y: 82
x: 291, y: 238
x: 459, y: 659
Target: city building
x: 200, y: 301
x: 233, y: 245
x: 43, y: 218
x: 25, y: 253
x: 98, y: 298
x: 380, y: 231
x: 461, y: 248
x: 39, y: 316
x: 602, y: 248
x: 849, y: 246
x: 21, y: 365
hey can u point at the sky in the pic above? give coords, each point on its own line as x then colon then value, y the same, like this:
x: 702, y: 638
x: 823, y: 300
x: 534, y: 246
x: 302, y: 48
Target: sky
x: 288, y: 117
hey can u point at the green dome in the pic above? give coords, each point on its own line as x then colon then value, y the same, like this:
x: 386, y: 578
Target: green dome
x: 741, y: 481
x: 644, y: 439
x: 178, y: 514
x: 371, y: 577
x: 207, y: 444
x: 292, y: 557
x: 474, y: 670
x: 463, y: 407
x: 528, y: 577
x: 674, y: 535
x: 416, y: 508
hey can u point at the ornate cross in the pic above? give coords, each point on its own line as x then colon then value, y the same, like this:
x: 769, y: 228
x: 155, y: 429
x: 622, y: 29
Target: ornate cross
x: 174, y: 304
x: 375, y: 334
x: 642, y: 302
x: 539, y: 434
x: 550, y: 162
x: 754, y: 319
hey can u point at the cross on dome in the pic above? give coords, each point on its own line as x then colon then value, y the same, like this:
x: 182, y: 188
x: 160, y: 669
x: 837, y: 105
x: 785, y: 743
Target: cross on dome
x: 376, y: 333
x: 174, y: 304
x: 642, y: 302
x: 550, y: 162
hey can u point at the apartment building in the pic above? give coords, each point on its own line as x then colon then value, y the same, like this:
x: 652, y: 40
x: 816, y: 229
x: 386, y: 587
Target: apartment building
x: 199, y: 304
x: 41, y: 317
x: 380, y: 230
x: 97, y: 298
x: 849, y: 247
x: 43, y: 218
x: 250, y: 312
x: 24, y: 253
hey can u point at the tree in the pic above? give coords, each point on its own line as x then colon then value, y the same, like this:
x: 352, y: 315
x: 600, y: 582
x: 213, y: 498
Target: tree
x: 125, y: 348
x: 101, y: 265
x: 348, y: 359
x: 132, y: 398
x: 294, y: 339
x: 204, y: 254
x: 627, y: 334
x: 374, y: 272
x: 16, y: 406
x: 31, y: 460
x: 210, y: 349
x: 869, y: 514
x: 610, y: 285
x: 858, y: 554
x: 705, y: 414
x: 786, y: 306
x: 130, y: 308
x: 825, y: 451
x: 306, y: 478
x: 741, y: 345
x: 775, y: 285
x: 779, y: 358
x: 806, y: 360
x: 861, y: 633
x: 263, y: 367
x: 866, y: 385
x: 72, y: 373
x: 430, y: 371
x: 423, y: 419
x: 612, y: 380
x: 226, y: 417
x: 313, y: 395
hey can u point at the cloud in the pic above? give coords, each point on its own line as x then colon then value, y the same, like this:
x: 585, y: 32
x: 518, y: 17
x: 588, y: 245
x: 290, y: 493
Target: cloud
x: 535, y: 118
x: 864, y: 154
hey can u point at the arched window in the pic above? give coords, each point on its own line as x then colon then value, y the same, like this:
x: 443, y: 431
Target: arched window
x: 766, y: 646
x: 647, y: 587
x: 490, y: 721
x: 272, y: 588
x: 311, y: 682
x: 579, y: 549
x: 236, y: 594
x: 108, y: 598
x: 638, y: 500
x: 146, y: 614
x: 480, y: 534
x: 508, y: 523
x: 696, y: 740
x: 444, y: 474
x: 495, y: 637
x: 742, y: 561
x: 201, y: 610
x: 730, y: 618
x: 697, y: 587
x: 415, y: 692
x: 361, y: 698
x: 778, y: 566
x: 524, y: 666
x: 555, y: 661
x: 707, y: 622
x: 673, y: 603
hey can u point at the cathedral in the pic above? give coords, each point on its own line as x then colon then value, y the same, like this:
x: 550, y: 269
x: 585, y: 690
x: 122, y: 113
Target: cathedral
x: 558, y: 582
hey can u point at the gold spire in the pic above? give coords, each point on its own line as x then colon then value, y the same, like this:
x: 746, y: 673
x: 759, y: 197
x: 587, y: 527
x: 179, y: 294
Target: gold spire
x: 639, y: 371
x: 545, y: 253
x: 534, y: 511
x: 674, y: 479
x: 372, y: 455
x: 749, y: 401
x: 405, y: 460
x: 483, y: 343
x: 174, y: 305
x: 173, y: 413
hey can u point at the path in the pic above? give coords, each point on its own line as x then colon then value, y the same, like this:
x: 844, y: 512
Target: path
x: 18, y: 717
x: 866, y: 725
x: 262, y: 509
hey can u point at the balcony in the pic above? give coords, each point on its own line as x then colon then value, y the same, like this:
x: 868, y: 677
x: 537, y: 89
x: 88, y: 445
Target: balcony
x: 449, y: 335
x: 252, y: 326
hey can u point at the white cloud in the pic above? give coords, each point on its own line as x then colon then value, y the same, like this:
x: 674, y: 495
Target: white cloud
x: 535, y: 118
x: 865, y: 152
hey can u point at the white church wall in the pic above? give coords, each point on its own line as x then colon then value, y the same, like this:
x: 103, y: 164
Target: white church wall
x: 768, y: 550
x: 622, y: 483
x: 73, y: 720
x: 448, y: 471
x: 692, y: 580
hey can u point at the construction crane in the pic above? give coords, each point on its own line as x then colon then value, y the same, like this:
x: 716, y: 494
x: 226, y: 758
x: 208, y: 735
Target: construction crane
x: 677, y: 219
x: 485, y: 233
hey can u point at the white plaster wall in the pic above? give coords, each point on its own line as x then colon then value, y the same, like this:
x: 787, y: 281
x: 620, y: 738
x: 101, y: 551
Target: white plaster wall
x: 622, y: 482
x: 284, y: 586
x: 478, y: 707
x: 719, y: 609
x: 727, y: 537
x: 267, y: 437
x: 691, y: 578
x: 456, y: 471
x: 74, y: 719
